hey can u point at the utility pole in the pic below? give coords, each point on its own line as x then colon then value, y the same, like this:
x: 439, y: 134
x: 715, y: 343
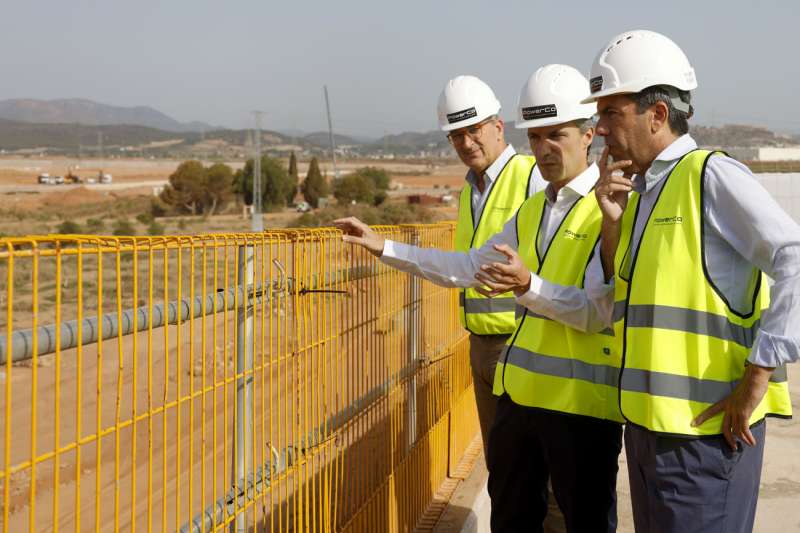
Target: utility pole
x: 330, y: 132
x: 258, y: 221
x: 100, y: 143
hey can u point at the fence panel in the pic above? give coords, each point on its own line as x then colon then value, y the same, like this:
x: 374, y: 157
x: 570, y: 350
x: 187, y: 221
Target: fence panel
x: 279, y: 381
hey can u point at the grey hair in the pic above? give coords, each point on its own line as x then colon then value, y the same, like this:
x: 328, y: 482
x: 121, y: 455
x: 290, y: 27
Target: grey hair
x: 678, y: 102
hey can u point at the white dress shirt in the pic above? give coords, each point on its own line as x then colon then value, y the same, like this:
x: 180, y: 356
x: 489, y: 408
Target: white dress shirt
x: 490, y: 175
x: 744, y: 228
x: 455, y: 269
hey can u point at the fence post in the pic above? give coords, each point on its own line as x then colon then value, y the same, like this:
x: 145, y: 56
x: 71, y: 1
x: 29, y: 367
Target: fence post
x: 243, y: 446
x: 413, y: 343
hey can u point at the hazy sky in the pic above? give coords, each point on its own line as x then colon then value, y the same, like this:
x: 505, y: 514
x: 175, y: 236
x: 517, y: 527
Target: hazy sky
x: 384, y: 62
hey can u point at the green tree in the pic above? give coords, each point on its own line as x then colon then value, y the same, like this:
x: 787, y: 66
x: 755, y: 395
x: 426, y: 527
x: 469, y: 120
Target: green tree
x: 275, y: 183
x: 315, y: 185
x: 196, y: 189
x: 379, y: 177
x: 219, y: 182
x: 185, y: 190
x: 294, y: 176
x: 354, y: 187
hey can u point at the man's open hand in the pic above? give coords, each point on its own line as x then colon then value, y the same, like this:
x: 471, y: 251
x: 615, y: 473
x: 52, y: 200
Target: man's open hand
x: 739, y: 405
x: 499, y: 277
x: 356, y: 232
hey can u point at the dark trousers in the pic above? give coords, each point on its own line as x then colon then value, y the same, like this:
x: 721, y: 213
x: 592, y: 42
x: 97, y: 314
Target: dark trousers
x: 484, y: 351
x: 684, y: 485
x: 577, y: 453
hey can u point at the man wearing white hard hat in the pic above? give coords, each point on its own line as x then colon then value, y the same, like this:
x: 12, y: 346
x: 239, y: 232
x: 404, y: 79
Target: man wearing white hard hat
x: 684, y: 257
x: 498, y: 181
x: 553, y: 421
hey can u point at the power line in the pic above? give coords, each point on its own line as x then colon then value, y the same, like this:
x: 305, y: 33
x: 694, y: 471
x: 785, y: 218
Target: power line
x: 257, y: 221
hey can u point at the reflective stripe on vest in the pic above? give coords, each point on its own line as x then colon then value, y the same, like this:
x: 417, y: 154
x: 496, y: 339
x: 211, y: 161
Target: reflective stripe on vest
x: 479, y: 314
x: 498, y: 304
x: 549, y: 365
x: 684, y: 348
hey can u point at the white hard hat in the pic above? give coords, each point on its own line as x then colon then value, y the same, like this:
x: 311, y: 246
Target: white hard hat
x: 552, y: 95
x: 465, y: 100
x: 638, y: 59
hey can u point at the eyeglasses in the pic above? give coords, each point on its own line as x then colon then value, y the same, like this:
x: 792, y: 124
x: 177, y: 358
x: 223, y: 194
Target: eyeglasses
x: 474, y: 132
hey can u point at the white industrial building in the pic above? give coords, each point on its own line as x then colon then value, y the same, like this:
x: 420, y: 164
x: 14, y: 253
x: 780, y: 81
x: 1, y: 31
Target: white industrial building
x: 766, y: 153
x: 785, y: 188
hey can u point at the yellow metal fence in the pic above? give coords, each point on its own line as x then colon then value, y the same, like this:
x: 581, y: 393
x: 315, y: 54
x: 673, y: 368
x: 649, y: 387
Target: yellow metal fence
x: 279, y: 381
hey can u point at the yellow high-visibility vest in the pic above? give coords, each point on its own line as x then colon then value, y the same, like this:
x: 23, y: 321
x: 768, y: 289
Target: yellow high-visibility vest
x: 479, y: 314
x: 684, y: 347
x: 546, y: 364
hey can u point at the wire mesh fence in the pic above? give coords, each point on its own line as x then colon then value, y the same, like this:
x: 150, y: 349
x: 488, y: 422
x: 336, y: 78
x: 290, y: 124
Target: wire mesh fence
x: 277, y: 381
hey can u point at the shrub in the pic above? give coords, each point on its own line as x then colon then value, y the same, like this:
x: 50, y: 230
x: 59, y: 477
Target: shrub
x: 69, y: 227
x: 155, y: 228
x: 145, y: 218
x: 94, y: 225
x: 394, y: 213
x: 123, y: 226
x: 157, y: 207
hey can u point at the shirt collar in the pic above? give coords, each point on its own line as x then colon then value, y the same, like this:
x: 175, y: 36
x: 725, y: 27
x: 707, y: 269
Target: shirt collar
x: 664, y: 162
x: 580, y: 185
x: 493, y: 171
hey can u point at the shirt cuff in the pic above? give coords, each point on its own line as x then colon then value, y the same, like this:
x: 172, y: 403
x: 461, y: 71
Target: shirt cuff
x: 773, y: 350
x: 534, y: 295
x: 394, y: 250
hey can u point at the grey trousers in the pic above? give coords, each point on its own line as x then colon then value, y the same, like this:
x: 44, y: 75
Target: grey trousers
x: 484, y: 351
x: 684, y: 485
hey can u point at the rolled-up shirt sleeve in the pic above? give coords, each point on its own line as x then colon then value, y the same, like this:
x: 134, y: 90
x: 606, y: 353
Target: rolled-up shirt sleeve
x: 447, y: 268
x: 741, y: 211
x: 589, y: 309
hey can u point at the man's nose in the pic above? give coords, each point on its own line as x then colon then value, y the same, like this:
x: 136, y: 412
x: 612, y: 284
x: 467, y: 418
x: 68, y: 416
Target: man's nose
x: 601, y: 128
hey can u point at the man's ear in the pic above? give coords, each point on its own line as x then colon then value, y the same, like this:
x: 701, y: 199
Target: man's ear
x: 587, y: 137
x: 659, y: 116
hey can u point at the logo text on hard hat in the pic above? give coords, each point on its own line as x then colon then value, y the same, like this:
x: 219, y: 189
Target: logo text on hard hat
x: 539, y: 111
x: 464, y: 114
x: 596, y: 83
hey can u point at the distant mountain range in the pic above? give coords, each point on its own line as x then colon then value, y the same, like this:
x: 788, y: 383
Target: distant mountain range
x: 73, y: 125
x: 89, y: 113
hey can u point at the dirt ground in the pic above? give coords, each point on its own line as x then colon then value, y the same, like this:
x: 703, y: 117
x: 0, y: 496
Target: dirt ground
x: 779, y: 494
x: 23, y: 171
x: 27, y: 208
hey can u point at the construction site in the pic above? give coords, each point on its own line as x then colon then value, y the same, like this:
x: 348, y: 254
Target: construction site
x: 275, y: 381
x: 354, y: 267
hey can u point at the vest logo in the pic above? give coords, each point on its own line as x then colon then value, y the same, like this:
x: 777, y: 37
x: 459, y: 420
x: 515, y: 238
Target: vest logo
x: 539, y: 111
x: 464, y: 114
x: 596, y: 83
x: 667, y: 221
x: 569, y: 234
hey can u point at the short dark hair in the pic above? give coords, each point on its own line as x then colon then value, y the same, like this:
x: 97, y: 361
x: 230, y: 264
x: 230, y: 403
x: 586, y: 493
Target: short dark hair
x: 584, y: 125
x: 678, y: 119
